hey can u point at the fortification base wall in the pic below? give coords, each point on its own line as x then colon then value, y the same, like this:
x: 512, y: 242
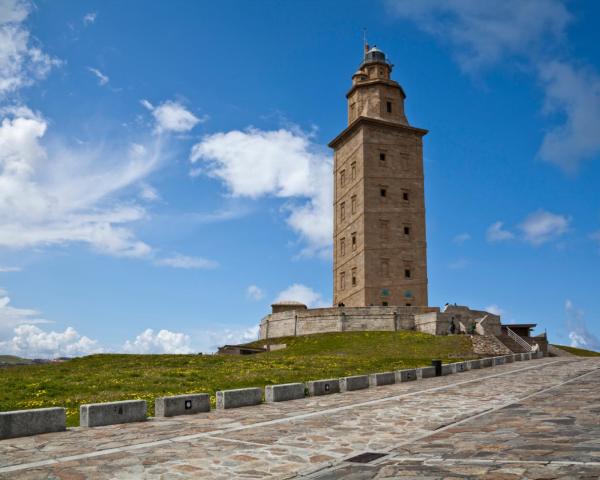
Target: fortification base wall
x: 340, y: 319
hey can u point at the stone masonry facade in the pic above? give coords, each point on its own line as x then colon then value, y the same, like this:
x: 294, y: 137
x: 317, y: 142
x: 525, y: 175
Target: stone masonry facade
x: 379, y: 202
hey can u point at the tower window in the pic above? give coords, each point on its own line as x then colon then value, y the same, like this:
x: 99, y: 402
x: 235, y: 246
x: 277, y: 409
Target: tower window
x: 407, y: 273
x: 343, y: 211
x: 406, y: 230
x: 408, y: 305
x: 353, y: 235
x: 343, y: 246
x: 385, y: 267
x: 342, y: 280
x: 382, y: 192
x: 354, y: 281
x: 343, y: 178
x: 382, y: 157
x: 353, y: 169
x: 405, y: 196
x: 385, y: 304
x: 388, y: 106
x: 353, y: 204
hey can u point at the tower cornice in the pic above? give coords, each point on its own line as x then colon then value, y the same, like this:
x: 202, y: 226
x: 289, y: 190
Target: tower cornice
x: 374, y: 121
x: 377, y: 81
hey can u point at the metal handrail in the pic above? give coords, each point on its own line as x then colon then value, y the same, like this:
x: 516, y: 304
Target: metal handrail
x: 517, y: 338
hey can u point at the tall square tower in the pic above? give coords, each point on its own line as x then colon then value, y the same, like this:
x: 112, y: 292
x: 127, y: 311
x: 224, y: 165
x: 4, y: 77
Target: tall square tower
x: 380, y: 250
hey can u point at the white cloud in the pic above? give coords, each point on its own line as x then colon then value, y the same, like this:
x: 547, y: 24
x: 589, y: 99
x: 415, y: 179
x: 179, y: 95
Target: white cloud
x: 596, y: 237
x: 282, y: 163
x: 21, y: 62
x: 9, y: 269
x: 89, y: 18
x: 11, y: 317
x: 32, y: 342
x: 149, y: 193
x: 301, y: 293
x: 579, y: 334
x: 186, y: 262
x: 484, y: 33
x: 210, y: 341
x: 40, y: 204
x: 255, y: 293
x: 171, y: 116
x: 164, y: 341
x: 573, y: 93
x: 461, y: 238
x: 102, y: 79
x: 495, y: 233
x: 541, y: 227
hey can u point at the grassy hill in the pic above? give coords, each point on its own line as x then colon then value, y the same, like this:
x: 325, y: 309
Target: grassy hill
x: 103, y: 378
x: 580, y: 352
x: 12, y: 360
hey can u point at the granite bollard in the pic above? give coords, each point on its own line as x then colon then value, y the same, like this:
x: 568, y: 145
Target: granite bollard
x: 498, y: 361
x: 407, y: 375
x: 240, y: 397
x: 508, y: 359
x: 355, y: 382
x: 323, y: 387
x: 460, y: 367
x: 474, y: 364
x: 284, y: 392
x: 447, y: 369
x: 426, y: 372
x: 181, y: 405
x: 517, y: 357
x: 487, y: 362
x: 22, y: 423
x: 526, y: 356
x: 383, y: 378
x: 111, y: 413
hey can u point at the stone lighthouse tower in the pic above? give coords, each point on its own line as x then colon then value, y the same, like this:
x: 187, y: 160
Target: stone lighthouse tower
x: 379, y: 203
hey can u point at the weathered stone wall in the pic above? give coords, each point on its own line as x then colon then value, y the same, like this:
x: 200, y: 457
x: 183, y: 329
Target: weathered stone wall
x: 340, y: 319
x: 488, y: 345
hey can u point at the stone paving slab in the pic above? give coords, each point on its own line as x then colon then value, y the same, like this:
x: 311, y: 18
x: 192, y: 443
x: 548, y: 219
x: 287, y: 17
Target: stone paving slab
x: 309, y: 435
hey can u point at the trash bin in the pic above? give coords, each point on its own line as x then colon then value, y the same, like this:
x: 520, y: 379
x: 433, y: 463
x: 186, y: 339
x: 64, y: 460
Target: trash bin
x: 438, y: 367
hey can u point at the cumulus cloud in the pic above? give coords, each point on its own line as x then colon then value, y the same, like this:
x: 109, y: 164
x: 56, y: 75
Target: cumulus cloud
x: 496, y: 233
x: 255, y: 293
x: 281, y: 163
x: 301, y: 293
x: 579, y: 334
x: 21, y: 61
x: 171, y: 116
x: 102, y: 79
x: 163, y: 341
x: 186, y: 262
x: 32, y: 342
x: 40, y: 204
x: 482, y: 34
x: 541, y: 227
x: 211, y: 340
x: 461, y: 238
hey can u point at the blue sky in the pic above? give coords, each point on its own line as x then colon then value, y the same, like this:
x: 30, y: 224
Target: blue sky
x: 164, y: 174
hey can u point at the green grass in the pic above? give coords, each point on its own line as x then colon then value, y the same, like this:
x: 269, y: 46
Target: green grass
x: 104, y: 378
x: 580, y: 352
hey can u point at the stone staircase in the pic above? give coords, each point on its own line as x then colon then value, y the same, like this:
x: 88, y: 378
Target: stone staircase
x: 511, y: 344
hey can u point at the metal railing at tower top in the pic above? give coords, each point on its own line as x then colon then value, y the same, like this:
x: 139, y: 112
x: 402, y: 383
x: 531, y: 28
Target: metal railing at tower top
x: 517, y: 338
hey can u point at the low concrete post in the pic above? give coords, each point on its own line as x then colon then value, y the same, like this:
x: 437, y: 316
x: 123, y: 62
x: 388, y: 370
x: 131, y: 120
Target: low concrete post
x: 407, y: 375
x: 384, y: 378
x: 517, y: 357
x: 323, y: 387
x: 508, y: 359
x: 426, y: 372
x: 498, y: 361
x: 447, y: 369
x: 355, y: 382
x: 474, y: 364
x: 22, y: 423
x: 284, y: 392
x: 487, y: 362
x: 111, y: 413
x: 181, y: 405
x: 460, y: 367
x: 240, y: 397
x: 526, y: 356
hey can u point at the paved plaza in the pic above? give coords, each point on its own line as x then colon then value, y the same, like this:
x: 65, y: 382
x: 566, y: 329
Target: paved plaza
x: 537, y: 419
